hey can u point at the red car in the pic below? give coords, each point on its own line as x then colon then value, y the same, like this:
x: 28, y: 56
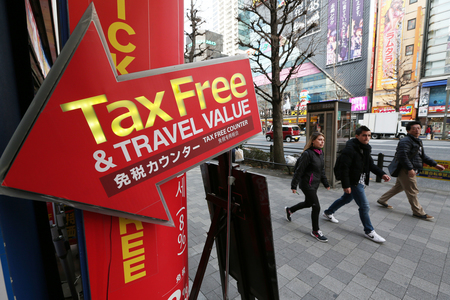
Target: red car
x: 290, y: 133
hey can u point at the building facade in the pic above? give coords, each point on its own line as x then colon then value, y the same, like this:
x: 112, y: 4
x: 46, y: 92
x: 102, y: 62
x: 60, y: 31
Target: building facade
x: 434, y: 96
x: 210, y: 42
x: 344, y: 51
x: 399, y: 45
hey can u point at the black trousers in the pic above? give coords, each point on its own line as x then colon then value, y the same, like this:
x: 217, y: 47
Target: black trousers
x: 311, y: 200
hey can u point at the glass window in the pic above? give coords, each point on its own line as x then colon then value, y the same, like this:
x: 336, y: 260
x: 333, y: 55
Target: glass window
x: 437, y: 95
x: 436, y: 57
x: 412, y: 1
x: 437, y: 49
x: 411, y: 24
x: 409, y: 50
x: 407, y: 75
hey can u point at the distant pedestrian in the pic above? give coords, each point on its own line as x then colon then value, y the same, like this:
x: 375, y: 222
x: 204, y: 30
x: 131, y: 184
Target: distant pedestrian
x: 411, y: 156
x: 428, y: 132
x: 309, y: 173
x: 356, y: 164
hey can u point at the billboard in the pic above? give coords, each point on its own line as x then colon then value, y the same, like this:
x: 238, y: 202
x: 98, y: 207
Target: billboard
x: 391, y: 18
x: 102, y: 142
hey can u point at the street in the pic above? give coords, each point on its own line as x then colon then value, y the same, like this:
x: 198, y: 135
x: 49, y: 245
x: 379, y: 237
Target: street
x: 436, y: 149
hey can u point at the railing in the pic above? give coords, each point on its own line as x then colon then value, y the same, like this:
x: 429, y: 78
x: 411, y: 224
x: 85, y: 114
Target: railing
x: 380, y: 159
x: 268, y: 148
x: 262, y: 163
x: 381, y: 162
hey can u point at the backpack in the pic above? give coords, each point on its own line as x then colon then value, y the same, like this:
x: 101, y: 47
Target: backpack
x: 337, y: 168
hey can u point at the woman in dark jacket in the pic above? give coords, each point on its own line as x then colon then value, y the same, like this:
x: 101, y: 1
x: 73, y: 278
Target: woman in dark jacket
x: 309, y: 172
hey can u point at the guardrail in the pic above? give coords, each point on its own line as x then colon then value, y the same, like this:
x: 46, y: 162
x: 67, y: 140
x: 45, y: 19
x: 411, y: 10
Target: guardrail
x: 262, y: 162
x: 382, y: 162
x: 379, y: 159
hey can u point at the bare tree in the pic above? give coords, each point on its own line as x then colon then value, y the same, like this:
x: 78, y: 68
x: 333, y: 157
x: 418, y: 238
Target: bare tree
x: 192, y: 14
x: 401, y: 83
x: 279, y: 27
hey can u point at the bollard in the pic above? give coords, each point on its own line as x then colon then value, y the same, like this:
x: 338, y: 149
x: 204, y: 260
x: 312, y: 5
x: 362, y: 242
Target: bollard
x: 380, y: 163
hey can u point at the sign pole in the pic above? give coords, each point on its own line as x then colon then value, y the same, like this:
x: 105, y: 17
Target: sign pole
x: 444, y: 126
x: 231, y: 180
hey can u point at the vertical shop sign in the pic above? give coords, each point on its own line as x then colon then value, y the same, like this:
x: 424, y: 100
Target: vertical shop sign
x: 357, y: 28
x: 391, y: 19
x: 331, y: 33
x: 344, y: 30
x: 423, y: 102
x: 130, y: 259
x: 417, y: 39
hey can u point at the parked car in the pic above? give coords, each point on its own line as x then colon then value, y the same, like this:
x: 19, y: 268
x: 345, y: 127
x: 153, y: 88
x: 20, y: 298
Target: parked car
x: 290, y: 133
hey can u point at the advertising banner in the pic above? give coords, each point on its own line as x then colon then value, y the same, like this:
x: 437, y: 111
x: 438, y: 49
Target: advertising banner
x: 331, y: 33
x: 357, y: 28
x: 359, y: 103
x: 133, y: 40
x: 391, y: 18
x: 423, y: 101
x: 130, y: 259
x: 430, y: 172
x: 344, y: 21
x: 404, y: 110
x: 417, y: 46
x: 122, y: 137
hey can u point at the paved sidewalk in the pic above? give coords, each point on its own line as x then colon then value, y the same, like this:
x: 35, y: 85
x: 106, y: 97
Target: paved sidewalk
x: 413, y: 263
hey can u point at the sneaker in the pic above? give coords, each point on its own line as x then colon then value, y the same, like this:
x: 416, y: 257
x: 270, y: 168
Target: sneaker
x: 424, y: 217
x: 385, y: 205
x: 330, y: 218
x: 375, y: 237
x: 319, y: 236
x: 288, y: 214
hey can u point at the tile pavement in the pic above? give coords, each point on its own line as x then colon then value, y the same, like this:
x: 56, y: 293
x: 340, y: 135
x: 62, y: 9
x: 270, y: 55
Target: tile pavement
x: 413, y: 263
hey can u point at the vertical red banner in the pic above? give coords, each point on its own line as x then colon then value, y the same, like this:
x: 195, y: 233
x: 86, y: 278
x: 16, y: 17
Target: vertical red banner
x: 141, y: 34
x: 128, y: 259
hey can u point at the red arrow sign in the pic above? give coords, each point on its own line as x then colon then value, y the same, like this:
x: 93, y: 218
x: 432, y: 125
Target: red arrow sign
x: 105, y: 143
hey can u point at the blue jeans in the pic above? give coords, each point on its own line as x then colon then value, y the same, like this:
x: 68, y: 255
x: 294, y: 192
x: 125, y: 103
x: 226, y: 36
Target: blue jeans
x: 360, y: 198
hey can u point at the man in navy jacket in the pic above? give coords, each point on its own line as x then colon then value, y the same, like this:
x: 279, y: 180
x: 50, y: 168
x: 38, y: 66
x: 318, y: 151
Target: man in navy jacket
x: 356, y: 164
x: 411, y: 156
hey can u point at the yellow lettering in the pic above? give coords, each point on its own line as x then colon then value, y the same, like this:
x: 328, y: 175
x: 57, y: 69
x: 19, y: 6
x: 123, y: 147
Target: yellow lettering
x: 121, y: 9
x: 86, y: 106
x: 126, y: 245
x: 180, y: 96
x: 138, y: 255
x: 127, y: 269
x: 235, y: 85
x: 124, y: 222
x: 216, y: 90
x: 121, y: 67
x: 154, y: 109
x: 112, y: 36
x: 132, y: 112
x: 201, y: 97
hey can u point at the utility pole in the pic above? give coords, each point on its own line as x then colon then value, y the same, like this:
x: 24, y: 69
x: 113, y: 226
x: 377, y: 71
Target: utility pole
x: 444, y: 127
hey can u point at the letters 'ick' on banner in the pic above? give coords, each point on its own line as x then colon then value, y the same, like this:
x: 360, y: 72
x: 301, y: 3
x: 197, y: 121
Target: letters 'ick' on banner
x: 105, y: 143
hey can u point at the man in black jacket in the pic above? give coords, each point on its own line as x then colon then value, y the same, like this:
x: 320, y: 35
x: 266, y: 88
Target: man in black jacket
x: 411, y: 156
x: 356, y: 164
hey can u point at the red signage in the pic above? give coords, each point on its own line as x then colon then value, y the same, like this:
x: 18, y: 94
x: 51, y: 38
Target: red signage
x: 138, y: 33
x: 106, y: 143
x: 129, y: 259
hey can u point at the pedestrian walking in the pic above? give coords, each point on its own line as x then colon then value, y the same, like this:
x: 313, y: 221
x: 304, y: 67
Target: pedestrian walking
x: 355, y: 165
x: 411, y: 156
x: 309, y: 173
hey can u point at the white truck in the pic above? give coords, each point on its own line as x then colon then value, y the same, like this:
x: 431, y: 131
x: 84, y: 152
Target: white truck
x: 385, y: 124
